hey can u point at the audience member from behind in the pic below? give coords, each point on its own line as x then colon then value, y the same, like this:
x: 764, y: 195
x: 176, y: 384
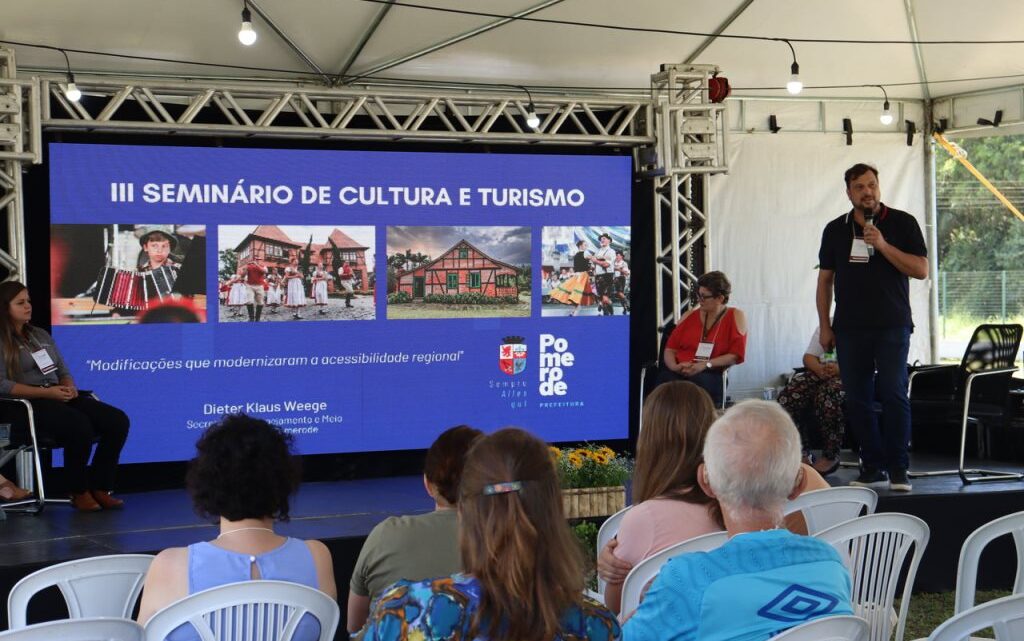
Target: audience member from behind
x: 669, y: 505
x: 415, y: 547
x: 523, y: 567
x: 765, y: 579
x: 708, y: 339
x: 245, y: 474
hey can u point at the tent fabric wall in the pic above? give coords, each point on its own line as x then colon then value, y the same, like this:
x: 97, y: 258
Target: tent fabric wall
x: 767, y: 215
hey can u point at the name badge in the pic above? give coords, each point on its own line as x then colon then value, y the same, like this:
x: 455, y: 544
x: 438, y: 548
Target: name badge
x: 704, y: 351
x: 43, y: 361
x: 859, y: 251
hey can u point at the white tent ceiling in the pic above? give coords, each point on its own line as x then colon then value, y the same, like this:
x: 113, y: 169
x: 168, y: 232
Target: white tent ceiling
x: 328, y: 33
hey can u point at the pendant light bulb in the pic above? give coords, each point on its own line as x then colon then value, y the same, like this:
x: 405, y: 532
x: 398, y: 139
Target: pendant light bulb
x: 72, y: 92
x: 886, y: 117
x: 532, y: 119
x: 246, y: 35
x: 794, y: 86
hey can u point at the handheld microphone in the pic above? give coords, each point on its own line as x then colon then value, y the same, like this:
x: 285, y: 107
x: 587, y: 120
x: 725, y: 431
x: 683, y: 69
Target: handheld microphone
x: 869, y: 221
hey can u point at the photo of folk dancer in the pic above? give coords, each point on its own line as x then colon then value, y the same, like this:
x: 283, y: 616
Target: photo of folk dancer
x: 319, y: 281
x: 116, y: 274
x: 237, y: 295
x: 273, y: 290
x: 593, y: 279
x: 296, y: 266
x: 295, y: 285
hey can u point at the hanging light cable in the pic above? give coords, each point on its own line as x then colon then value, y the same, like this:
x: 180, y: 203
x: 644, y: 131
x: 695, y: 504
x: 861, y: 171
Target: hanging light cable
x: 794, y: 86
x: 71, y: 90
x: 246, y: 35
x: 886, y: 116
x: 532, y: 119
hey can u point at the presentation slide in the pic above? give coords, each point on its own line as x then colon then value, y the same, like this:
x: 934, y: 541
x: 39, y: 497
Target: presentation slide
x: 363, y: 301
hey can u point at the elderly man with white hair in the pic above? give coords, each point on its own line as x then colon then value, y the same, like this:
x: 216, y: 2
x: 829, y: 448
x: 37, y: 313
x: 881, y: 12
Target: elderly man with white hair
x: 764, y: 579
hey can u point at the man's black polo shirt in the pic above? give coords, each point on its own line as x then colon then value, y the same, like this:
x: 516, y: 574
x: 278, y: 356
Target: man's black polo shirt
x: 875, y: 293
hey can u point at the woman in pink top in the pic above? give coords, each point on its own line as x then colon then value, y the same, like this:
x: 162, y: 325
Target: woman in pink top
x: 669, y: 506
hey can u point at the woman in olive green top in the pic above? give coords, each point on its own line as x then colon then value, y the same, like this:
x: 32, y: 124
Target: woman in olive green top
x: 419, y: 546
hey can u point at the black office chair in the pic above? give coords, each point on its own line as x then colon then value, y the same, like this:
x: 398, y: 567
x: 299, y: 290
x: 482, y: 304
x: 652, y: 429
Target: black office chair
x: 975, y: 392
x: 28, y: 459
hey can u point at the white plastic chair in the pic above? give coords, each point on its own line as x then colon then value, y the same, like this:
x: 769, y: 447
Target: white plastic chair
x: 874, y: 549
x: 264, y: 610
x: 838, y: 628
x: 970, y: 554
x: 1005, y: 616
x: 607, y: 532
x: 100, y: 586
x: 831, y: 506
x: 94, y: 629
x: 644, y: 571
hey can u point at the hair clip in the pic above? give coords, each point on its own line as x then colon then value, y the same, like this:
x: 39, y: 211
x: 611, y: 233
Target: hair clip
x: 502, y: 488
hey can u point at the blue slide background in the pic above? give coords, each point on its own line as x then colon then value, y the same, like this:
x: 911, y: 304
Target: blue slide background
x: 369, y: 407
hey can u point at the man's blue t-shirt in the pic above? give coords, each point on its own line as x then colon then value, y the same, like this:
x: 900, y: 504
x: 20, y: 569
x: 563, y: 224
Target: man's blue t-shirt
x: 754, y: 586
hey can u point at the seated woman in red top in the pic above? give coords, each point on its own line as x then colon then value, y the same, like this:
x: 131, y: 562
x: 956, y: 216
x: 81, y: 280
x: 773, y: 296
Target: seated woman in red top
x: 708, y: 338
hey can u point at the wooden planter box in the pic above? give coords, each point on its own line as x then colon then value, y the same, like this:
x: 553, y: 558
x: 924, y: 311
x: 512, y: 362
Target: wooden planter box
x: 583, y: 502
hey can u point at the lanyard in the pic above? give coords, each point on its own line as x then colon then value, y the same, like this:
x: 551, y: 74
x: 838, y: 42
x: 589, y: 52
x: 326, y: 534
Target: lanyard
x: 706, y: 327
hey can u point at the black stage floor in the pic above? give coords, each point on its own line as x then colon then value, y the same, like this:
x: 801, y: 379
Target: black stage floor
x: 342, y: 513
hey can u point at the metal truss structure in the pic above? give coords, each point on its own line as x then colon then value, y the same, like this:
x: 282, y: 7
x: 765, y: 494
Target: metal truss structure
x: 255, y: 109
x: 678, y: 136
x: 20, y: 142
x: 691, y: 138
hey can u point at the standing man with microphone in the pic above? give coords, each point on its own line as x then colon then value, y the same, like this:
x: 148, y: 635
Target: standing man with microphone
x: 866, y: 258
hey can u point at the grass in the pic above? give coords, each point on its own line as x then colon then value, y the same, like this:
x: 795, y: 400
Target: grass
x: 960, y: 327
x: 438, y: 310
x: 929, y: 609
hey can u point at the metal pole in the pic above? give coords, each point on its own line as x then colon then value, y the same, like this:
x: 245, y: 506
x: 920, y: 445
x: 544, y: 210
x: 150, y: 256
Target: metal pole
x: 932, y: 228
x: 1002, y: 295
x: 944, y: 278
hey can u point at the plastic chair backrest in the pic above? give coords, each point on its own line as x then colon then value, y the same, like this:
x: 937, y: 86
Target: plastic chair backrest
x: 970, y: 555
x: 642, y: 573
x: 839, y: 628
x: 824, y: 508
x: 874, y: 549
x: 91, y: 629
x: 265, y: 610
x: 607, y: 532
x: 1005, y: 616
x: 100, y: 586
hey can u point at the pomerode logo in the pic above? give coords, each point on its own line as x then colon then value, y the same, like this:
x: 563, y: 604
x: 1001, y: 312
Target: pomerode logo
x: 512, y: 355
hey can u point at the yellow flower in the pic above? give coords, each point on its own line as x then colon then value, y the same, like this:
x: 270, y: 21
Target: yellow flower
x: 555, y: 452
x: 601, y: 459
x: 579, y: 451
x: 575, y: 460
x: 607, y: 451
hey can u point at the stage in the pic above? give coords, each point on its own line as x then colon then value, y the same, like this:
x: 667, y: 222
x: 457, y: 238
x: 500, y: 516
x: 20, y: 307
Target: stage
x: 342, y: 513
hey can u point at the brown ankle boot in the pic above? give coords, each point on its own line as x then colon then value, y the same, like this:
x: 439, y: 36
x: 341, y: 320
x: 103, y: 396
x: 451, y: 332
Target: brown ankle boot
x: 84, y: 502
x: 106, y: 501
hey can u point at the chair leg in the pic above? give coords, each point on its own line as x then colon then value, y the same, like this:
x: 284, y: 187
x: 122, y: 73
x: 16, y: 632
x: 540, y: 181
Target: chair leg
x: 972, y: 475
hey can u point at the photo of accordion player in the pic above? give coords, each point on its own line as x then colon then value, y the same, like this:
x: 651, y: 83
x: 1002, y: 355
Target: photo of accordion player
x: 158, y: 278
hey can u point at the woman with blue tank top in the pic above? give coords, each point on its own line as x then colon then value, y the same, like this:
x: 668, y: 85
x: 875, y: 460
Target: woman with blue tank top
x: 244, y: 473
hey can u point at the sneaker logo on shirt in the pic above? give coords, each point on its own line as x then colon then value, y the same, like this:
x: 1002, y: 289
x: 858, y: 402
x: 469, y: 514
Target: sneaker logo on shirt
x: 798, y: 603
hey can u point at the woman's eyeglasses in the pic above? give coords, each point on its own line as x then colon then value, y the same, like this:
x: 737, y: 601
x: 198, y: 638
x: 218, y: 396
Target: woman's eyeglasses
x: 706, y: 296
